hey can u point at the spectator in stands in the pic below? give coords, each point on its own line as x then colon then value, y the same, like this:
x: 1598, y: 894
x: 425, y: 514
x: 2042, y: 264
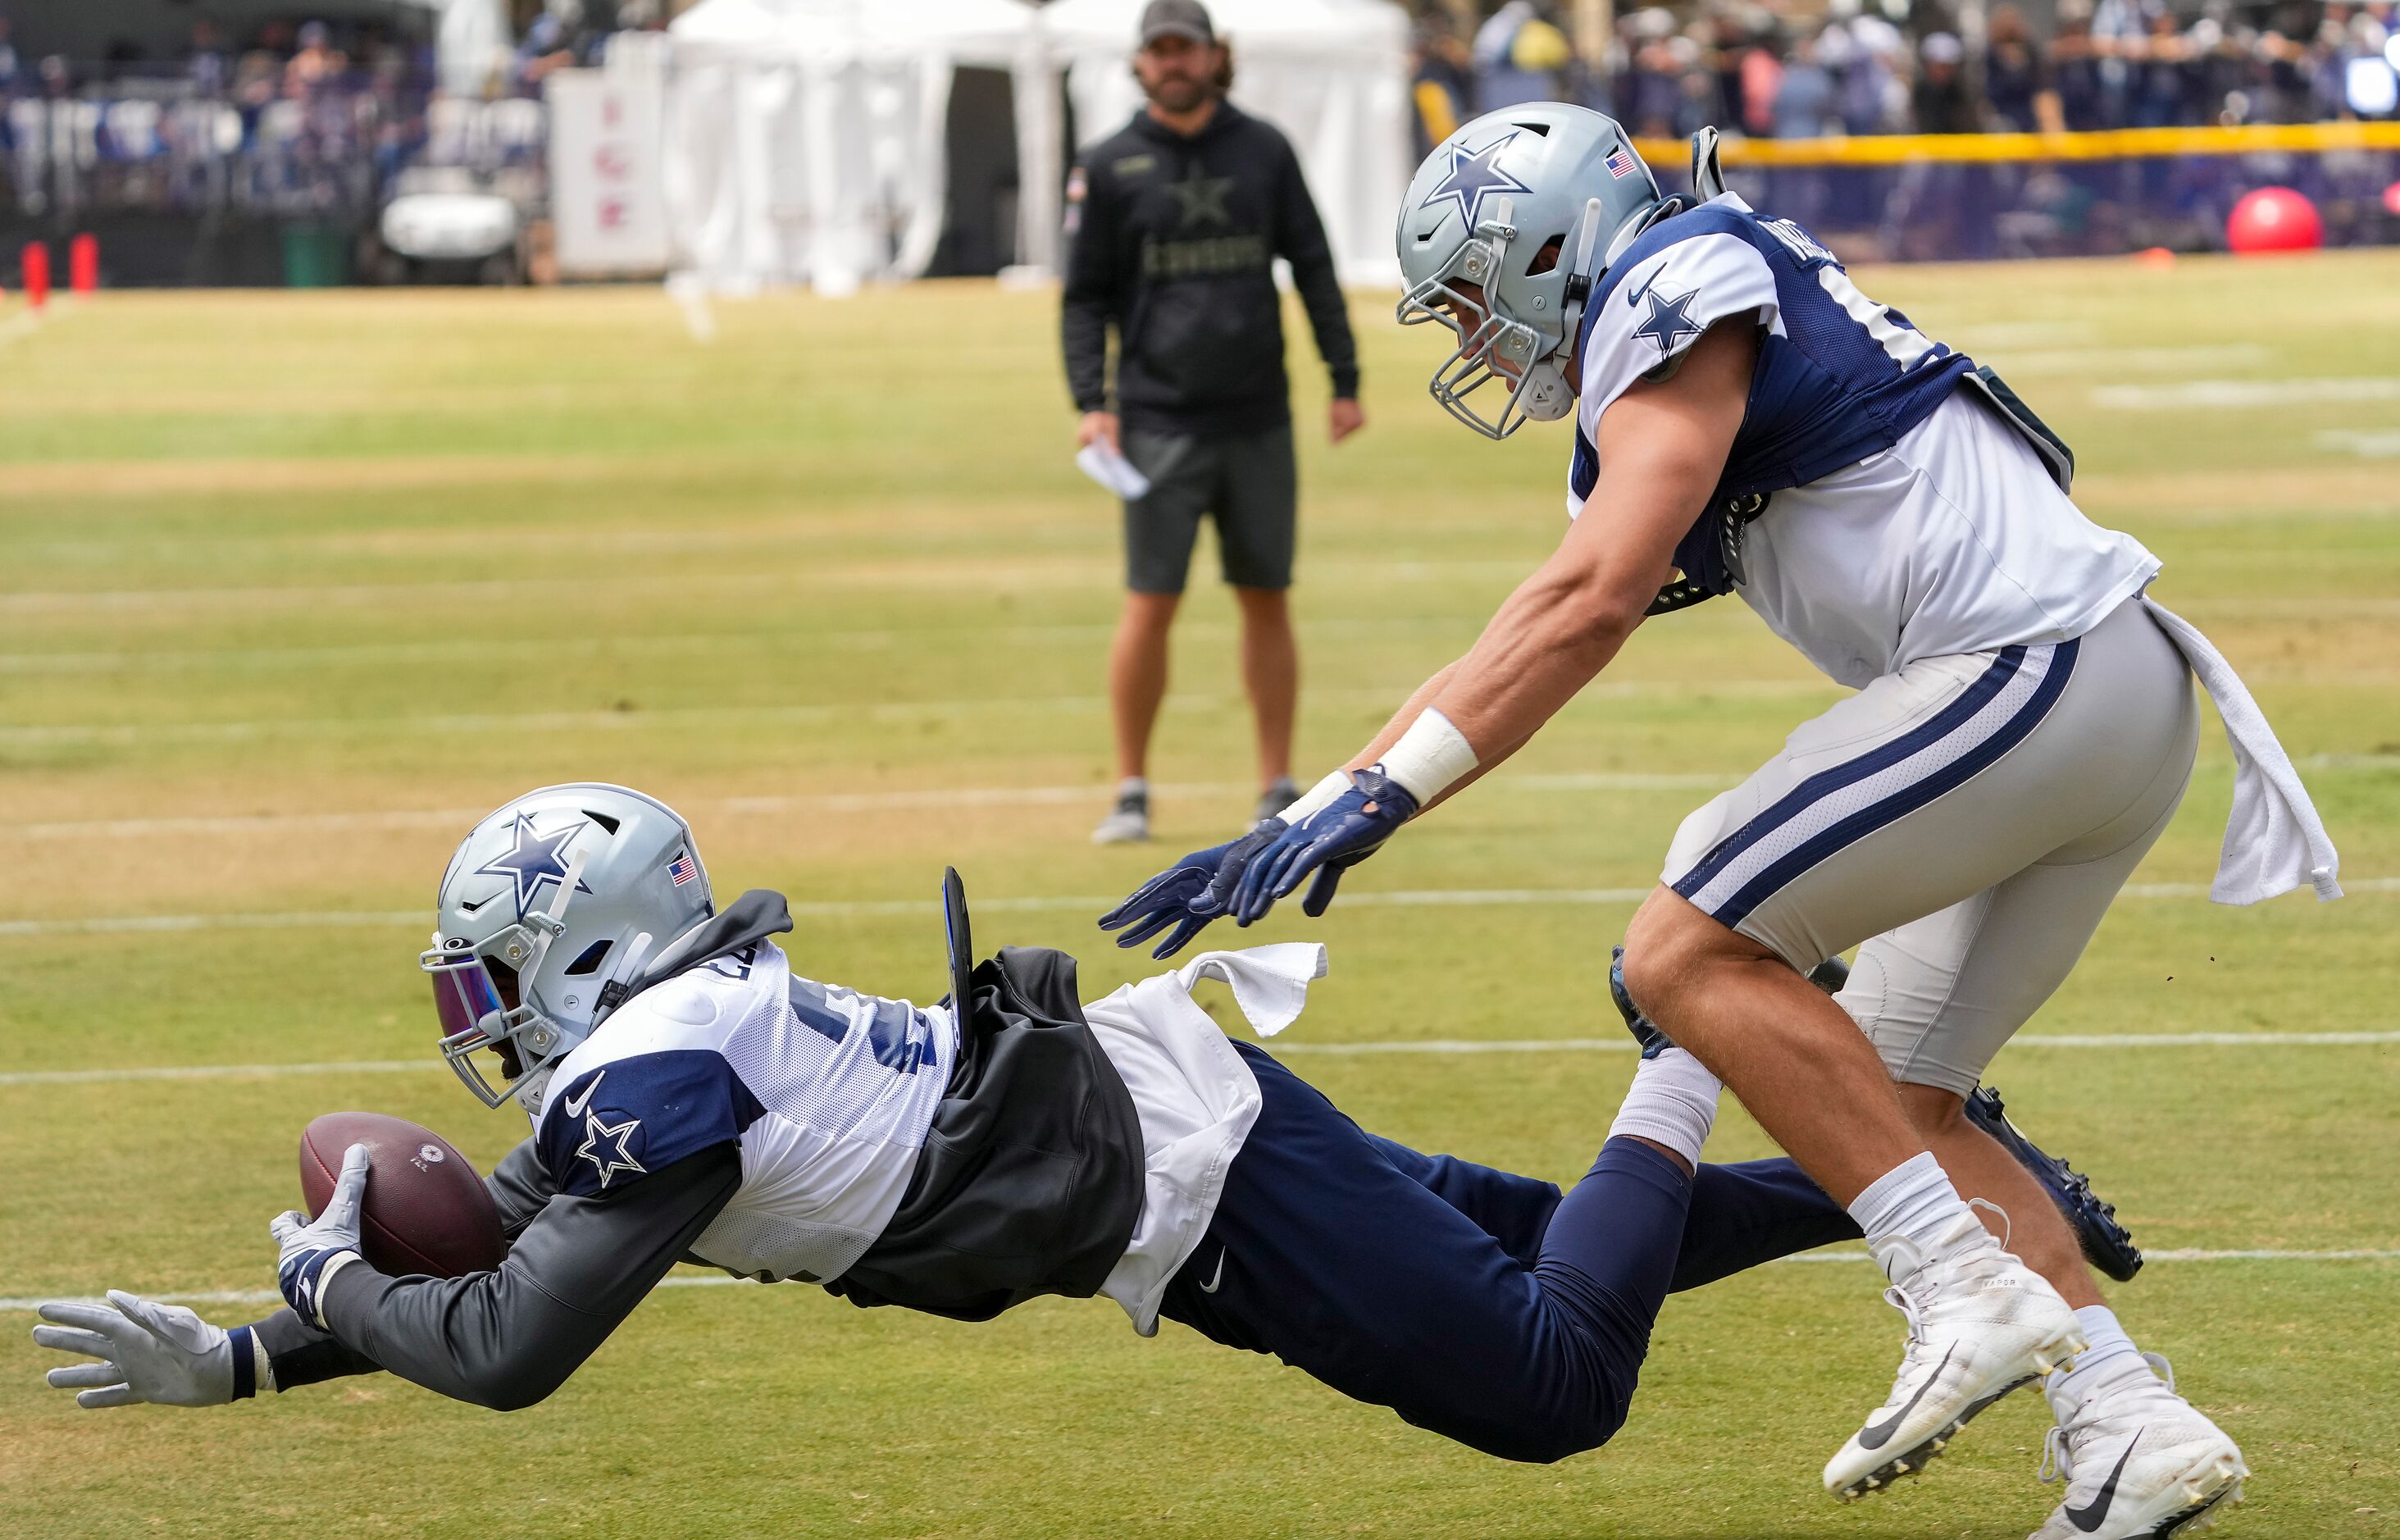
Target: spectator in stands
x: 1942, y: 102
x: 1442, y: 74
x: 2075, y: 69
x: 1807, y: 103
x: 2017, y: 85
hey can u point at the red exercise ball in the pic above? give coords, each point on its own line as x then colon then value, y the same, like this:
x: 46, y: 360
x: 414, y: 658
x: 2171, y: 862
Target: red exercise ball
x: 2273, y: 219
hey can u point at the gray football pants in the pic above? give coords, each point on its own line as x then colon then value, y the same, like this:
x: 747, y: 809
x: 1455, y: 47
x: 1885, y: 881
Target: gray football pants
x: 1965, y: 822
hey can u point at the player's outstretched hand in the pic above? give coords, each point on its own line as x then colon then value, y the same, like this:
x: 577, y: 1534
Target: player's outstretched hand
x: 144, y: 1352
x: 309, y: 1250
x: 1189, y: 893
x: 1329, y: 842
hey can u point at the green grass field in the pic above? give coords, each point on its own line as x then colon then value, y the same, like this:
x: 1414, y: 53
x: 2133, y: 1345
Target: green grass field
x: 293, y: 587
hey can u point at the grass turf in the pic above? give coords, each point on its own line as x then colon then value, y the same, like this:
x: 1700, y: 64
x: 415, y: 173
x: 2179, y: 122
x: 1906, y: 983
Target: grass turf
x: 291, y: 587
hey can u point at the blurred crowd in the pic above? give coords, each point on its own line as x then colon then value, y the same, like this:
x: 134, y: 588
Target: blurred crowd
x: 1896, y: 68
x: 300, y: 116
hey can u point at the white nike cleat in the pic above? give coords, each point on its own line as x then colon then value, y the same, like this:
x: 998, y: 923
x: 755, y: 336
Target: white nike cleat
x: 1980, y: 1324
x: 2139, y: 1462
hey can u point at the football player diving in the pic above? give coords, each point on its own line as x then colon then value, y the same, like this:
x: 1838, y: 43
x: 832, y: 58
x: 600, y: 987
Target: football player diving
x: 694, y: 1097
x: 1746, y: 421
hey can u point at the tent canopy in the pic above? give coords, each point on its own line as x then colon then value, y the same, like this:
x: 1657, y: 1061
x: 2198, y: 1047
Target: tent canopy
x: 1333, y: 74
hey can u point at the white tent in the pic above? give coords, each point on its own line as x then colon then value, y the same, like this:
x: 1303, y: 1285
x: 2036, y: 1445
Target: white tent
x: 1333, y: 74
x: 805, y: 138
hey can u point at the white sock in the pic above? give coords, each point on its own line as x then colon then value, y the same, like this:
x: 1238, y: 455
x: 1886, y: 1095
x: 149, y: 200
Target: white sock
x: 1673, y: 1102
x: 1133, y: 785
x: 2110, y: 1353
x: 1914, y: 1202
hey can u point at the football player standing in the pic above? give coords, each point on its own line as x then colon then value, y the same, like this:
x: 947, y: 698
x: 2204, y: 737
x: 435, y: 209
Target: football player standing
x: 1746, y: 421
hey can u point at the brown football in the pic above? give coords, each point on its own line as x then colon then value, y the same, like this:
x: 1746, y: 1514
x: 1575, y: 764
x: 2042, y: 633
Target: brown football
x: 426, y: 1211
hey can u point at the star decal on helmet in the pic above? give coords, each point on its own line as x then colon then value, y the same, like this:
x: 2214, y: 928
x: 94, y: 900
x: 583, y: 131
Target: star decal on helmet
x: 1474, y: 176
x: 536, y: 858
x: 1669, y: 321
x: 614, y: 1156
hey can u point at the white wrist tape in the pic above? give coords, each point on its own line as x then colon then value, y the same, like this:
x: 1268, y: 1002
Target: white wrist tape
x: 1429, y: 757
x: 1318, y: 798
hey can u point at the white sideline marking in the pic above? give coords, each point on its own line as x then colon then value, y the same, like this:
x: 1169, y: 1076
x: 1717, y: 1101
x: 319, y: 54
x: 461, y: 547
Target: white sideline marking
x: 44, y: 734
x: 927, y: 798
x: 1329, y: 1050
x: 2366, y: 446
x: 268, y: 1296
x: 1086, y: 903
x: 2244, y: 394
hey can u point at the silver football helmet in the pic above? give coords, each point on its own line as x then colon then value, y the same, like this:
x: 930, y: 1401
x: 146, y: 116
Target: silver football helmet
x: 547, y: 912
x: 1528, y: 204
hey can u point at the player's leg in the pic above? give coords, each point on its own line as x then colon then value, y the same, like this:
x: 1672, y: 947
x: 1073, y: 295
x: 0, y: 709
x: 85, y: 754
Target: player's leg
x: 1326, y: 1253
x: 1512, y: 1209
x: 1929, y: 786
x: 1257, y: 520
x: 1159, y: 530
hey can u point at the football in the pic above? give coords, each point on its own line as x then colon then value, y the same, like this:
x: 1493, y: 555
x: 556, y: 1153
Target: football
x: 426, y: 1211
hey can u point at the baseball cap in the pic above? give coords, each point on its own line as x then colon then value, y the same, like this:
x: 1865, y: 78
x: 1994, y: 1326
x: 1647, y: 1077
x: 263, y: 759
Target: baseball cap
x: 1176, y: 19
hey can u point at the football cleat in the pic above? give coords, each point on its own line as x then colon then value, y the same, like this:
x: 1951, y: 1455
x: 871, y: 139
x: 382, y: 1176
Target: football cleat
x: 1276, y: 797
x: 2108, y: 1245
x: 2139, y: 1462
x: 1980, y: 1324
x: 1645, y: 1031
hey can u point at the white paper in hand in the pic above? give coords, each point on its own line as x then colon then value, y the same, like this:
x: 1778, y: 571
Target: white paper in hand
x: 1099, y: 460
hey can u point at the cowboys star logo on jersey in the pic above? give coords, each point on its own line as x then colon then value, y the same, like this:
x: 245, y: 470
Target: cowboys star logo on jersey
x: 607, y: 1147
x: 1474, y: 176
x: 1669, y: 321
x: 536, y: 858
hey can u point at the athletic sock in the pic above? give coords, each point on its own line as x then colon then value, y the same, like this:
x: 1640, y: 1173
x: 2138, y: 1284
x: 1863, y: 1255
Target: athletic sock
x: 1673, y: 1102
x: 1913, y: 1202
x: 1133, y: 786
x: 2110, y: 1353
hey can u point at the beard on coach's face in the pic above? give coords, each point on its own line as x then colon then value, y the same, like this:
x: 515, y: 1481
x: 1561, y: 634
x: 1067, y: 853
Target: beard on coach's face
x: 1178, y: 73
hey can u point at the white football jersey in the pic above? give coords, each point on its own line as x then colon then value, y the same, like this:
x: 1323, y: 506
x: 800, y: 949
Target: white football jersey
x: 1907, y: 518
x: 828, y: 1092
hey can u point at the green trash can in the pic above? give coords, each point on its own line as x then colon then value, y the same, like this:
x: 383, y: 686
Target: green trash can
x: 316, y: 256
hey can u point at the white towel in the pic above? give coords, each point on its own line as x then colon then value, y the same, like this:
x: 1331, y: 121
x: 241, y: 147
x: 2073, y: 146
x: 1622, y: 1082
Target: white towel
x: 1270, y: 983
x: 2274, y: 840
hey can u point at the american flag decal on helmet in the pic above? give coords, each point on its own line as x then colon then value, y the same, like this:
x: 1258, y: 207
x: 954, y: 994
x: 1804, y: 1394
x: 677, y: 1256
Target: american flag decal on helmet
x: 1621, y: 162
x: 683, y: 868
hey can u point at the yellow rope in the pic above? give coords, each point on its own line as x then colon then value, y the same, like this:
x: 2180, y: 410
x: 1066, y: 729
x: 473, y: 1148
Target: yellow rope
x: 2103, y: 144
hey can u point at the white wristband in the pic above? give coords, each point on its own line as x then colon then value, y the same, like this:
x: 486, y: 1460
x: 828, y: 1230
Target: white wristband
x: 1429, y: 757
x: 1316, y: 799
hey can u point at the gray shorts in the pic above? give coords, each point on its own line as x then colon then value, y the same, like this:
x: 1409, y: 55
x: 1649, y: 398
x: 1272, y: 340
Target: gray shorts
x: 1246, y: 482
x: 1968, y: 819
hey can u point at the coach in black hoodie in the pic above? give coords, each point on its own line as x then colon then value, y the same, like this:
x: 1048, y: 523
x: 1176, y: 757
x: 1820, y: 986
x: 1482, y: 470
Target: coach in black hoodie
x: 1175, y: 224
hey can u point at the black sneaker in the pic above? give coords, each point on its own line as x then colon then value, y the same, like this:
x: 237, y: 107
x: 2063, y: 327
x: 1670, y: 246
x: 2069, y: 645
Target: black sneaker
x: 1645, y: 1031
x: 2106, y: 1244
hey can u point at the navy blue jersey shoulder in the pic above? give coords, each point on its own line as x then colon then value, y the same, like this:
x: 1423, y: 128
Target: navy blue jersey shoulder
x: 618, y: 1123
x: 1827, y: 392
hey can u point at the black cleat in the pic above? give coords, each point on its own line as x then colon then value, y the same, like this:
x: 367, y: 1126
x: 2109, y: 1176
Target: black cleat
x: 1645, y: 1031
x: 2106, y: 1244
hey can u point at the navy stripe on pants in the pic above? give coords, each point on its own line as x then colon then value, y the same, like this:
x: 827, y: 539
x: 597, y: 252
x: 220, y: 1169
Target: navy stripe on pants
x: 1478, y: 1304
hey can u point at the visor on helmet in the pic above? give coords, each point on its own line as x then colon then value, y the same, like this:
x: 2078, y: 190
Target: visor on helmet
x: 478, y: 1028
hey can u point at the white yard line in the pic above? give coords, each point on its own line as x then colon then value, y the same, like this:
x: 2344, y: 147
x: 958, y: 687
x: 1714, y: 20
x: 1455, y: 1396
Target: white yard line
x: 1326, y: 1050
x: 2247, y: 393
x: 1086, y: 903
x: 933, y: 797
x: 268, y: 1296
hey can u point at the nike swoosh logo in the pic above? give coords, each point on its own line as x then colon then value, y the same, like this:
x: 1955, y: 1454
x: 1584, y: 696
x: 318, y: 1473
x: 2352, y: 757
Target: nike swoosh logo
x: 1634, y: 296
x: 2093, y: 1514
x: 1219, y: 1276
x: 573, y: 1107
x: 1877, y: 1435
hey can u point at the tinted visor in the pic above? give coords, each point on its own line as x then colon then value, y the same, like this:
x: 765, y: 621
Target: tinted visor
x: 465, y: 998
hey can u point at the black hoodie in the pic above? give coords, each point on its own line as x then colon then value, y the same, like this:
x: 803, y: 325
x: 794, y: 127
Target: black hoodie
x: 1172, y: 242
x: 1030, y: 1183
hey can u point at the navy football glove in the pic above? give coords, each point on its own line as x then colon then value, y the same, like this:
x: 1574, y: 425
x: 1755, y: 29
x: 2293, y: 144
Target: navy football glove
x: 312, y: 1251
x: 1189, y: 893
x: 1328, y: 841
